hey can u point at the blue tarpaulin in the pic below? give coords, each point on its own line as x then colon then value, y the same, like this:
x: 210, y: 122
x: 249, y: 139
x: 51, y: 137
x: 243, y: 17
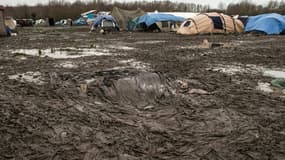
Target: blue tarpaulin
x: 150, y: 19
x: 99, y: 19
x: 80, y: 21
x: 268, y: 23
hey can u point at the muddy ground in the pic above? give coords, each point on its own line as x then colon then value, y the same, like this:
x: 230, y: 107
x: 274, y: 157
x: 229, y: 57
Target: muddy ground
x: 69, y: 94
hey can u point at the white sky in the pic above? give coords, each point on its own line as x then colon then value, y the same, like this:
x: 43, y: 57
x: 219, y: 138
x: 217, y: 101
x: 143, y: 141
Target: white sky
x: 212, y: 3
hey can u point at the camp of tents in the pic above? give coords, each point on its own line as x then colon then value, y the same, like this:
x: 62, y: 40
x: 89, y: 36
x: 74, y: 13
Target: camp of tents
x: 194, y: 23
x: 183, y: 23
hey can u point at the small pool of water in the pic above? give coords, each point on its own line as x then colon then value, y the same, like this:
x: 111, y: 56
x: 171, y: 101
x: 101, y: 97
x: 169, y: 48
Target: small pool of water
x: 274, y: 74
x: 32, y: 77
x: 63, y: 53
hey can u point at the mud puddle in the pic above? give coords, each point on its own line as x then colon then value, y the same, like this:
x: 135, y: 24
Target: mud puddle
x: 140, y: 89
x: 274, y: 74
x: 236, y: 68
x: 132, y: 63
x: 63, y: 53
x: 67, y: 64
x: 31, y: 77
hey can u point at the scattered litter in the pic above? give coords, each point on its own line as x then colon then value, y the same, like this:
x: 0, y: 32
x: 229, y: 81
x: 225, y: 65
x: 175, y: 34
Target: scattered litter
x: 149, y: 42
x: 120, y: 47
x: 136, y: 64
x: 265, y: 87
x: 207, y: 45
x: 149, y: 107
x: 33, y: 77
x: 88, y: 81
x: 274, y: 74
x: 79, y: 107
x: 67, y: 64
x: 238, y: 68
x: 198, y: 91
x: 62, y: 53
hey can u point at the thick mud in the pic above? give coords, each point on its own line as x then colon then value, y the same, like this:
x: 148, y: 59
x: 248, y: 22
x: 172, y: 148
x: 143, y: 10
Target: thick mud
x: 69, y: 94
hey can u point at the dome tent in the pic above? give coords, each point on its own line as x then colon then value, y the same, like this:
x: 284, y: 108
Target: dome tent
x: 267, y: 23
x: 209, y: 23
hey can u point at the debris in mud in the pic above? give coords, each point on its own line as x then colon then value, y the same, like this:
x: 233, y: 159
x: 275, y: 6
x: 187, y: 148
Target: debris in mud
x: 150, y: 42
x: 238, y: 68
x: 68, y: 65
x: 63, y: 53
x: 136, y: 64
x: 88, y: 81
x: 265, y: 87
x: 198, y: 91
x: 208, y: 45
x: 32, y: 77
x: 120, y: 47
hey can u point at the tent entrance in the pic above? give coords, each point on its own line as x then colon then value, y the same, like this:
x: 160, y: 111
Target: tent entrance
x: 218, y: 23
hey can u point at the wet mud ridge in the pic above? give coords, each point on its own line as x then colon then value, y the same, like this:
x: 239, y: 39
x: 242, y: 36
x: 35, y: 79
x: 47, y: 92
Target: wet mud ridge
x: 68, y: 94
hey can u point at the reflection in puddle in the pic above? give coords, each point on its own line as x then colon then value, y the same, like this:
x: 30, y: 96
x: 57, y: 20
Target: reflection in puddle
x: 62, y: 53
x: 33, y: 77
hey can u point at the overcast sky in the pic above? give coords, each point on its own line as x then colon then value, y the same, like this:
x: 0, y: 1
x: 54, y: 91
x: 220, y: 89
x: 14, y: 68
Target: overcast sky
x: 212, y: 3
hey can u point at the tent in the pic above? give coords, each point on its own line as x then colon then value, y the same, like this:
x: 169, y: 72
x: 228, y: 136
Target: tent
x: 267, y: 23
x: 209, y: 23
x: 155, y: 21
x: 2, y: 23
x: 98, y: 20
x: 80, y: 22
x: 123, y: 17
x: 105, y: 22
x: 90, y: 16
x: 149, y: 19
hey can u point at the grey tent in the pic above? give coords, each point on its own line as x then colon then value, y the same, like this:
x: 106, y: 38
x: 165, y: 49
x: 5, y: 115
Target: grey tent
x: 2, y: 22
x: 122, y: 16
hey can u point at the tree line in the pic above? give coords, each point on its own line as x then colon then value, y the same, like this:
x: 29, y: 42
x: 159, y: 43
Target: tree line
x: 60, y: 9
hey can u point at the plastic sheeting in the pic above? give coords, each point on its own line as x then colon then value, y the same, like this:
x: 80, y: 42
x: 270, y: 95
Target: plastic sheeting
x: 268, y: 23
x: 123, y: 17
x: 150, y: 19
x: 99, y: 19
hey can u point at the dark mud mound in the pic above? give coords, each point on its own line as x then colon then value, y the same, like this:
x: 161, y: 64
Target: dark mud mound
x: 138, y: 89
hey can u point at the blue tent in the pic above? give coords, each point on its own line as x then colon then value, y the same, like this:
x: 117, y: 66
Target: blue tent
x: 268, y: 23
x: 80, y: 21
x: 150, y: 19
x: 99, y: 19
